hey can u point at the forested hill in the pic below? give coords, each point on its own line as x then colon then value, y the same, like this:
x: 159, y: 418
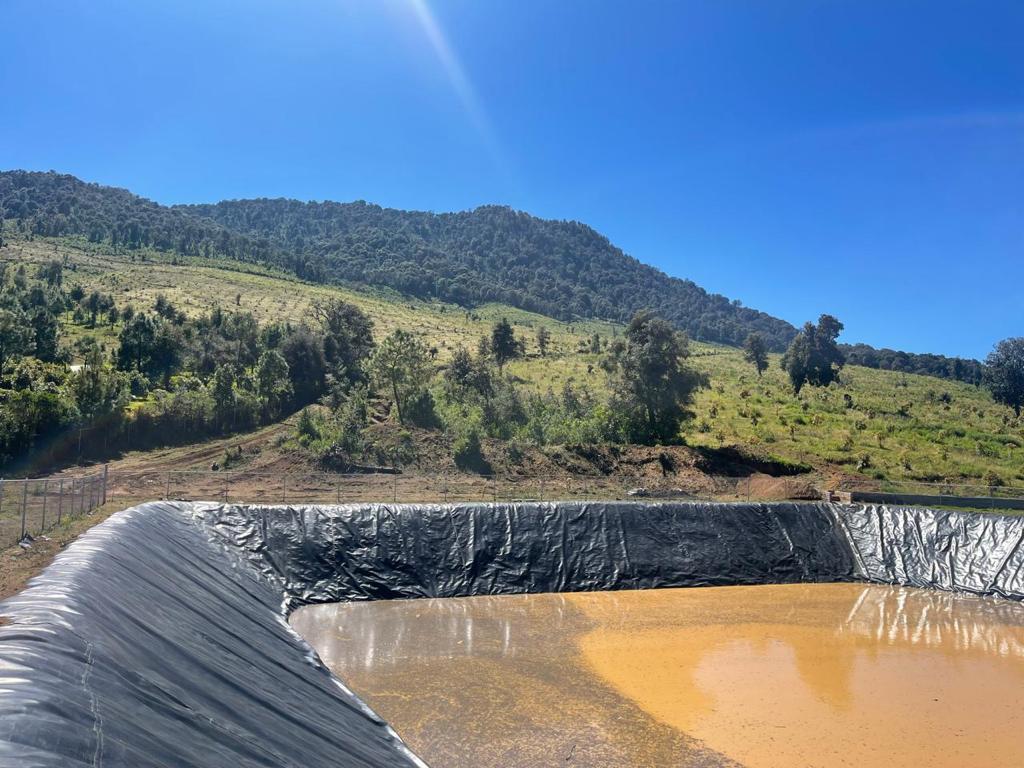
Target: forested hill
x: 562, y: 269
x: 52, y: 204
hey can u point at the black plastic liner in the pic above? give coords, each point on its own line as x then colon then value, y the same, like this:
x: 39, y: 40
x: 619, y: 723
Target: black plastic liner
x: 143, y: 645
x: 159, y: 638
x: 381, y: 552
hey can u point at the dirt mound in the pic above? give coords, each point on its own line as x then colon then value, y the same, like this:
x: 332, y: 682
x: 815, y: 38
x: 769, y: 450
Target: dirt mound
x: 767, y: 488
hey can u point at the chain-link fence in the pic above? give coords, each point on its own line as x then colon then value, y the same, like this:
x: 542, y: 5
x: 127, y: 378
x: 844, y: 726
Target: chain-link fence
x: 33, y: 506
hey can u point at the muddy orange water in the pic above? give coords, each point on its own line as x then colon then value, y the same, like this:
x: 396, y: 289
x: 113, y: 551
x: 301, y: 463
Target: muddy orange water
x: 790, y: 675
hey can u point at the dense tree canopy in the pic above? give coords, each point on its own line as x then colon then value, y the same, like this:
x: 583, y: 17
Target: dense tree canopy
x: 468, y: 378
x: 272, y: 381
x: 348, y: 337
x: 15, y: 337
x: 192, y: 376
x: 303, y: 352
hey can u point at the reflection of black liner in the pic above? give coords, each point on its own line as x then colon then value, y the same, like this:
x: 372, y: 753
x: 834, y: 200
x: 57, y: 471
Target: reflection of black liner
x: 158, y: 637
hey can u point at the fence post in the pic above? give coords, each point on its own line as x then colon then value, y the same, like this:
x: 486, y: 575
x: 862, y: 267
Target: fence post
x: 494, y: 487
x: 394, y: 491
x: 24, y: 505
x: 106, y: 473
x: 46, y: 485
x: 167, y: 490
x: 60, y: 500
x: 284, y: 489
x: 542, y: 489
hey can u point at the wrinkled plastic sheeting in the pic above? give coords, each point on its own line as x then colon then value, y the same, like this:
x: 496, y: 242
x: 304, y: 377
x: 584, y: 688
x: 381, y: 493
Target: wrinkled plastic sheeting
x: 159, y: 637
x: 380, y: 552
x: 937, y: 549
x: 145, y: 645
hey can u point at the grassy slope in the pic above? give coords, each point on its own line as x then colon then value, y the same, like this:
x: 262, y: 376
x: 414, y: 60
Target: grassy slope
x: 964, y: 439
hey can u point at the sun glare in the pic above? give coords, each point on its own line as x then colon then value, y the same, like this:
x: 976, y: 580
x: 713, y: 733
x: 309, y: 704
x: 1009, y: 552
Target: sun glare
x: 460, y: 82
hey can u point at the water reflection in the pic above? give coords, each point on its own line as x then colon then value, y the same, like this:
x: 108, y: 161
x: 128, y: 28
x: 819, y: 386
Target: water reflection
x: 359, y: 635
x: 940, y: 620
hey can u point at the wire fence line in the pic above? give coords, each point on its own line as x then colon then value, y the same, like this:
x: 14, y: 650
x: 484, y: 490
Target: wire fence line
x: 31, y: 506
x: 326, y: 487
x: 34, y: 506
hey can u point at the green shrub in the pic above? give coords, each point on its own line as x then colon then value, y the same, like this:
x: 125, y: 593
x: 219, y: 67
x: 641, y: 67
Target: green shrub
x: 421, y: 411
x: 307, y: 429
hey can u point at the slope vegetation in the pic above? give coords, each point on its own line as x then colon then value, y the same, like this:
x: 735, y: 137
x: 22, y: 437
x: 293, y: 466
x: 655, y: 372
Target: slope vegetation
x: 873, y: 424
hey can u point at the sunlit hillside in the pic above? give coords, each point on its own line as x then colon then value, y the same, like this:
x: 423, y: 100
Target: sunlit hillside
x: 876, y: 424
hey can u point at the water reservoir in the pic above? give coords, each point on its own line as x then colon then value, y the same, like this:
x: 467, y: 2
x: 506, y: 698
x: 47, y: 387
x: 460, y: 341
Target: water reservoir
x: 760, y: 676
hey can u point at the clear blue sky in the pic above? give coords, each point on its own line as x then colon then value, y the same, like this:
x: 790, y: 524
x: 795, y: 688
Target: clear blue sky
x: 862, y: 158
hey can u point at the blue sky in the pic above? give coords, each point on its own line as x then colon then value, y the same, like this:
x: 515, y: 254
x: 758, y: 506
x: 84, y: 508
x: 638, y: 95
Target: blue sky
x: 861, y: 158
